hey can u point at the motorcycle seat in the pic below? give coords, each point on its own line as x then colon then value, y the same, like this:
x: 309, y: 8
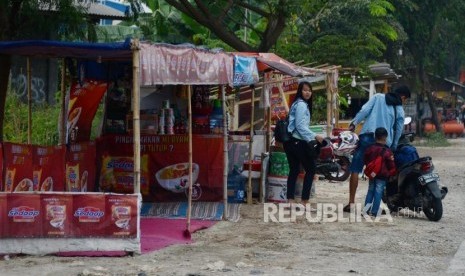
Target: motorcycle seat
x: 408, y: 164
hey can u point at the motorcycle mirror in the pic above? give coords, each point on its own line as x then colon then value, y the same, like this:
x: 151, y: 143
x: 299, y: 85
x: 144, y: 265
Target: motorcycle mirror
x: 407, y: 120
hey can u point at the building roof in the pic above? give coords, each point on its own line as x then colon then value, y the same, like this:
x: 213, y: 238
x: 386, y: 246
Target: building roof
x: 93, y: 9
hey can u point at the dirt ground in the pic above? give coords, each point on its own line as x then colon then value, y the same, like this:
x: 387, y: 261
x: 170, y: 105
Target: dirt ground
x: 406, y: 246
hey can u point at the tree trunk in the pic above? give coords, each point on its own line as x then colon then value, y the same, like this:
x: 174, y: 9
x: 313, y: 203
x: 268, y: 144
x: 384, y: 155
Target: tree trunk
x: 429, y: 97
x: 5, y: 64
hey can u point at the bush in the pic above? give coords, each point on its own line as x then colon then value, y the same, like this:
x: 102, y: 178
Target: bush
x: 436, y: 139
x: 45, y: 122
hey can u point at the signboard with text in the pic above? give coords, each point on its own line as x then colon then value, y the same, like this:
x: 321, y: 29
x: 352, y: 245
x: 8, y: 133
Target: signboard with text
x: 164, y: 166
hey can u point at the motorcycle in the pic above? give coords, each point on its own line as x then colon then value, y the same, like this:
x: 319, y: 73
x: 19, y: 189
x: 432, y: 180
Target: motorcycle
x: 416, y: 185
x: 336, y: 155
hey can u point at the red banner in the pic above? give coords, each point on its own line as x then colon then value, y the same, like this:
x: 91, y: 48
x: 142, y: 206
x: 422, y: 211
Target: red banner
x: 90, y: 218
x: 57, y: 215
x: 62, y: 215
x: 18, y: 167
x: 2, y: 184
x: 24, y: 215
x: 80, y: 167
x: 83, y: 103
x: 48, y: 168
x: 3, y: 215
x: 164, y: 167
x: 123, y: 211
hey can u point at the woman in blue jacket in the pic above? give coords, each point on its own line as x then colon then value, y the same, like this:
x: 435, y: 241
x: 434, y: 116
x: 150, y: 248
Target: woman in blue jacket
x: 302, y: 148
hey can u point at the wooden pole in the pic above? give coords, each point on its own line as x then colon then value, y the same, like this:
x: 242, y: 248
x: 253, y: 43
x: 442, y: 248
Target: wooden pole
x: 252, y: 117
x: 29, y: 102
x: 63, y: 104
x: 225, y: 153
x: 189, y: 122
x: 136, y: 113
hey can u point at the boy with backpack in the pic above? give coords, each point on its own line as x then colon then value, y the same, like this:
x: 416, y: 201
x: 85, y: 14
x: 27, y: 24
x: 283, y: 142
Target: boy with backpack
x: 379, y: 166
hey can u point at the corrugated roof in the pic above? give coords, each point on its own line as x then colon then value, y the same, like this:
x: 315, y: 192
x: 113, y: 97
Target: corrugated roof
x: 97, y: 10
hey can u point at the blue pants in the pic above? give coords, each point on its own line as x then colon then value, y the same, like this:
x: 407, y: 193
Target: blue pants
x: 375, y: 194
x: 365, y: 141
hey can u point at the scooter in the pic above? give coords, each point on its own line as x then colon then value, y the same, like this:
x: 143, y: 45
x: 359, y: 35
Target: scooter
x: 336, y: 155
x: 416, y: 185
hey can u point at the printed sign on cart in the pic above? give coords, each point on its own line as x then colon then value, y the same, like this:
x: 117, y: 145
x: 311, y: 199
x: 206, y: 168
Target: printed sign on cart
x: 164, y: 166
x: 3, y: 214
x: 23, y: 215
x: 89, y: 215
x: 57, y: 215
x: 123, y: 211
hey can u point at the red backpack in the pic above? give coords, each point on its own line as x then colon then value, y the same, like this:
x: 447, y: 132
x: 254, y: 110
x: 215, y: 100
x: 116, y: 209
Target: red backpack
x: 373, y: 168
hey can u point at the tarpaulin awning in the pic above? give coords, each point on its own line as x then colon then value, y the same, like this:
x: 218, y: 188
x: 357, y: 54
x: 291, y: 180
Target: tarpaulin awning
x: 62, y: 49
x: 272, y: 61
x: 178, y: 64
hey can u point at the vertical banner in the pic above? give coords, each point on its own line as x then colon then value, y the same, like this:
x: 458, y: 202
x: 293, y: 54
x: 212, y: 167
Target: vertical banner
x: 83, y: 104
x: 3, y: 214
x: 89, y: 216
x: 56, y: 215
x: 24, y: 215
x: 123, y: 212
x: 80, y: 167
x: 18, y: 167
x: 48, y: 168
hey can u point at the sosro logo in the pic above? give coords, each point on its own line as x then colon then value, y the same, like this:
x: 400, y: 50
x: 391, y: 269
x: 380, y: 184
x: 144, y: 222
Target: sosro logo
x: 89, y: 214
x: 120, y: 164
x: 23, y: 214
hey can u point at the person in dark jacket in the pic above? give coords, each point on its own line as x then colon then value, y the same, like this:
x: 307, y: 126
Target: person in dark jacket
x: 388, y: 168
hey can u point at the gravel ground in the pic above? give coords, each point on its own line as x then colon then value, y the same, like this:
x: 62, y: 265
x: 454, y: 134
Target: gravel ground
x: 407, y: 245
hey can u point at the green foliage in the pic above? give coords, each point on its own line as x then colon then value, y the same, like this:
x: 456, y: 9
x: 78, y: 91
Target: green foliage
x: 436, y: 139
x: 45, y: 120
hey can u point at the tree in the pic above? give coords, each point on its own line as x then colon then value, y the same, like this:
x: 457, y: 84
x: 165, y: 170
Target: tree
x: 434, y: 45
x: 226, y: 18
x: 19, y: 19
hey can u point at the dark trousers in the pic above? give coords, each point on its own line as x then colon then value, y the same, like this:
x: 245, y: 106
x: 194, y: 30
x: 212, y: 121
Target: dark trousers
x: 298, y: 153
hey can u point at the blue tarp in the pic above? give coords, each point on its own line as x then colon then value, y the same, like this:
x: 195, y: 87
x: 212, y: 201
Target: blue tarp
x: 245, y: 71
x: 63, y: 49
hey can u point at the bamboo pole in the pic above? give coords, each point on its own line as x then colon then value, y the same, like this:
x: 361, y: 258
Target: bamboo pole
x: 189, y: 122
x: 29, y: 102
x: 63, y: 104
x: 225, y: 153
x: 282, y: 94
x: 328, y: 107
x: 136, y: 113
x: 252, y: 115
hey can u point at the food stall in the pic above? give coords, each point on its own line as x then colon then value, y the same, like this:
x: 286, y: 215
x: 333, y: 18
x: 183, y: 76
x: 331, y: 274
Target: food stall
x: 118, y: 157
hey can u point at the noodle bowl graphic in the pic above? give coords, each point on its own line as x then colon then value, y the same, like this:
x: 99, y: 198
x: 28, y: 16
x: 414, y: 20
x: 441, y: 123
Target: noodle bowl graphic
x: 24, y: 185
x: 175, y: 178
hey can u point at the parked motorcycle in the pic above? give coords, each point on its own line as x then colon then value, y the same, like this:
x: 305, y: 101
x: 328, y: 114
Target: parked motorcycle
x: 416, y: 185
x: 336, y: 155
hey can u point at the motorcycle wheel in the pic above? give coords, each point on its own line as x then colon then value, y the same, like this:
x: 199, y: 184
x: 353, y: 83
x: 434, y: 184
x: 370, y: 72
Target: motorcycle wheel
x: 343, y: 172
x: 434, y: 211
